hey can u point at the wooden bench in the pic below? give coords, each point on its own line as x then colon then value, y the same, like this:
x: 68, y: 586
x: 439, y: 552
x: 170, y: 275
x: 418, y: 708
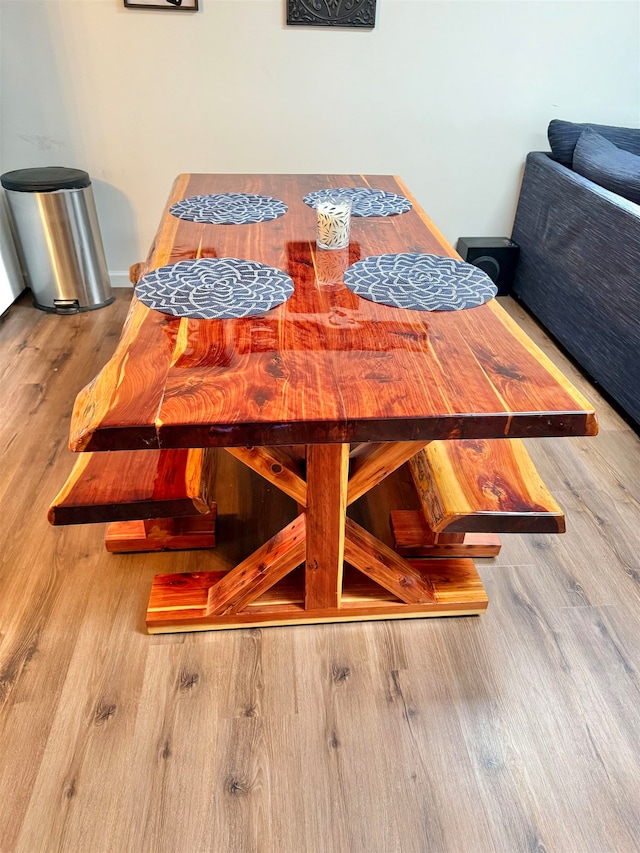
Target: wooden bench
x: 155, y: 499
x: 471, y: 487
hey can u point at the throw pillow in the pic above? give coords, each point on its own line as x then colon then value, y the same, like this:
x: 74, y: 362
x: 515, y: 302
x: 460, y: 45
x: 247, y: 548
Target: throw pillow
x: 610, y: 167
x: 563, y: 136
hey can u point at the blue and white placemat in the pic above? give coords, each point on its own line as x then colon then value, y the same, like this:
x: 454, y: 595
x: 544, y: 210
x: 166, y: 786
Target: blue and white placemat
x: 214, y: 288
x: 420, y: 282
x: 365, y: 201
x: 229, y: 208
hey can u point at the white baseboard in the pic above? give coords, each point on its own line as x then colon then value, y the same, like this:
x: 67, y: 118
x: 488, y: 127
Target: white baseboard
x: 119, y: 278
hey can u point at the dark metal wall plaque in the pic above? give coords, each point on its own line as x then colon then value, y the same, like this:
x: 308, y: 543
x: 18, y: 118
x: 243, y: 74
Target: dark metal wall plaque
x: 332, y: 13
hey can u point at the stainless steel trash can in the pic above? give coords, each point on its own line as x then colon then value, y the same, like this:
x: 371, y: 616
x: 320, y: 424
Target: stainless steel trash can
x: 58, y: 238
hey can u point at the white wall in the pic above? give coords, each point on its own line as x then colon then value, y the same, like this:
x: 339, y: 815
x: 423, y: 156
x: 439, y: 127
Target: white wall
x: 449, y: 95
x: 11, y: 280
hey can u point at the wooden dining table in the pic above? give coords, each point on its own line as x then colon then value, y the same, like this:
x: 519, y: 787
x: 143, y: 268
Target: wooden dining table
x: 324, y: 396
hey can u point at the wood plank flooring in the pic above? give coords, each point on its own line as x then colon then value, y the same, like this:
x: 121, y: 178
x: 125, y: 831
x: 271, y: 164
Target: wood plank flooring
x: 515, y: 731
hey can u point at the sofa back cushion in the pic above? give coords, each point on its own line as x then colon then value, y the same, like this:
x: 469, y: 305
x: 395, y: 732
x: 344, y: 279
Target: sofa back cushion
x: 563, y: 136
x: 610, y: 167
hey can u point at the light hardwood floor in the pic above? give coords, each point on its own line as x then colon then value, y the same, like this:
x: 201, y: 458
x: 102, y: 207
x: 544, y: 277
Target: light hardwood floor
x: 515, y: 731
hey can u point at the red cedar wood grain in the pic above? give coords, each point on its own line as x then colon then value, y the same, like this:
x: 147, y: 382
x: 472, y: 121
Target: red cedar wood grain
x: 326, y: 366
x: 135, y: 484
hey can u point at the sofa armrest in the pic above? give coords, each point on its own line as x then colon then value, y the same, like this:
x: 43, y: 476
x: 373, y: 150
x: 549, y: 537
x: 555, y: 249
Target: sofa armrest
x: 573, y: 182
x: 579, y: 272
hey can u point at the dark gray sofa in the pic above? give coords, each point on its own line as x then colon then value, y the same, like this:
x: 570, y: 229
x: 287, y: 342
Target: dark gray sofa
x: 579, y: 272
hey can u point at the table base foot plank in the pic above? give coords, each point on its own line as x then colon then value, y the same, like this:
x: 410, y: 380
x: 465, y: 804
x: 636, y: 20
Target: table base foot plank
x: 412, y: 537
x: 260, y: 571
x: 162, y: 534
x: 179, y: 602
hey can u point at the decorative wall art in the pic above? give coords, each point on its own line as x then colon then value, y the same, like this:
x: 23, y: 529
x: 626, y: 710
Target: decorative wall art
x: 332, y: 13
x: 170, y: 5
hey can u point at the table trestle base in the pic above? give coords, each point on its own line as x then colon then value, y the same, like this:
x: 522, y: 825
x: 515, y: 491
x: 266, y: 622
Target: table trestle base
x: 179, y: 602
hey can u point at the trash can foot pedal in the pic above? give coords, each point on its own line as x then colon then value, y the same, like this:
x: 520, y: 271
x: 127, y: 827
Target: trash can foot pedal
x: 66, y: 306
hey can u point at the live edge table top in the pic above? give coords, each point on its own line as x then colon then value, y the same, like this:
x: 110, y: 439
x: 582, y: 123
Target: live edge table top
x: 326, y: 366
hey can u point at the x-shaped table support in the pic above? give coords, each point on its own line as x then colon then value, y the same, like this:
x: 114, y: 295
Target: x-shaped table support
x: 323, y: 482
x: 322, y: 536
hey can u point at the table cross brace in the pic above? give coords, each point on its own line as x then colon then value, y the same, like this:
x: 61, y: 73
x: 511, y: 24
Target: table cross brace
x: 323, y: 538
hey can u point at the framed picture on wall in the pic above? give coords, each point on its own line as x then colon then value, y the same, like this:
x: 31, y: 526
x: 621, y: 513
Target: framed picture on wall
x: 332, y: 13
x: 171, y: 5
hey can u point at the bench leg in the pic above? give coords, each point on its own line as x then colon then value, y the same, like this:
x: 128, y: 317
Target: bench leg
x: 412, y: 537
x: 162, y: 534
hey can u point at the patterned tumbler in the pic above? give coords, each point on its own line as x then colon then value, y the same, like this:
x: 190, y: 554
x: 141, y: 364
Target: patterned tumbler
x: 333, y: 222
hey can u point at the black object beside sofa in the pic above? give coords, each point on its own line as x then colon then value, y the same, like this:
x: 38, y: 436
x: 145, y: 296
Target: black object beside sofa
x: 579, y: 267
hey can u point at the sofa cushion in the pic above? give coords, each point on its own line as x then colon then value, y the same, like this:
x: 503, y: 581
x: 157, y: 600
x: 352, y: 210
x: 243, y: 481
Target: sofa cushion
x: 610, y: 167
x: 563, y: 136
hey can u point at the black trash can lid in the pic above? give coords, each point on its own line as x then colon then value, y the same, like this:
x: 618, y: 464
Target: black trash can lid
x: 45, y: 179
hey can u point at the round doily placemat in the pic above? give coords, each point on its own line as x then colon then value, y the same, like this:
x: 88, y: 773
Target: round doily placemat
x: 214, y: 288
x: 229, y: 208
x: 365, y: 201
x: 420, y: 282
